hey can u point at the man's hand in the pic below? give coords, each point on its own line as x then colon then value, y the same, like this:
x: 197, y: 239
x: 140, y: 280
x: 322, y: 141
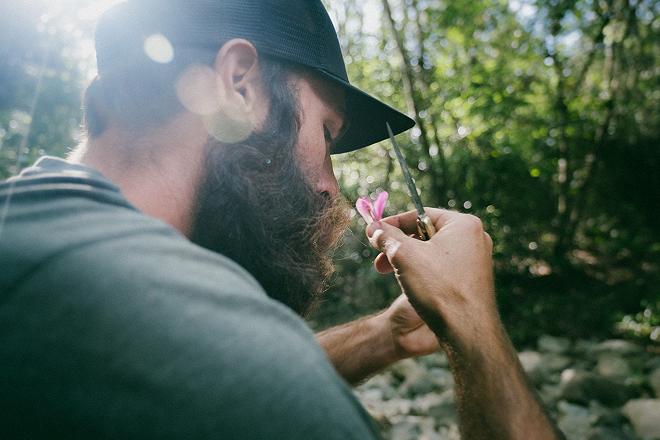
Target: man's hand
x: 411, y: 336
x: 361, y: 348
x: 449, y: 281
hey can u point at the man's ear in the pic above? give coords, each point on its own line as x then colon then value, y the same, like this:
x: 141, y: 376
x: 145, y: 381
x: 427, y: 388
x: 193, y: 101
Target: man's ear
x: 238, y: 79
x: 228, y: 96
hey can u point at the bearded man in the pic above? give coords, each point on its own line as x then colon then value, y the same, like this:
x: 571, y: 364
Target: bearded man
x: 153, y: 283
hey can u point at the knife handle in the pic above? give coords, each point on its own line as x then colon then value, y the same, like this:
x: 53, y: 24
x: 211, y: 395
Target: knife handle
x: 425, y: 227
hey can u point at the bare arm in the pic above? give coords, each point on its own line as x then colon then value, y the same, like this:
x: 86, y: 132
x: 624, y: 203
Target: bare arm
x: 493, y: 396
x: 360, y: 348
x: 449, y: 281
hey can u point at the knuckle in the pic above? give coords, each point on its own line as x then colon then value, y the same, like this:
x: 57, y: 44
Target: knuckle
x: 472, y: 223
x: 393, y: 248
x: 397, y: 252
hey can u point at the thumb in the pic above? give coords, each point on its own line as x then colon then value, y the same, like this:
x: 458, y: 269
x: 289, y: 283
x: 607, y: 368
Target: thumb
x: 390, y: 240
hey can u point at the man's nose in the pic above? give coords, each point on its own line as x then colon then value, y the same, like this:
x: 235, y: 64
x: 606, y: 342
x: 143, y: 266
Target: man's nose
x: 327, y: 183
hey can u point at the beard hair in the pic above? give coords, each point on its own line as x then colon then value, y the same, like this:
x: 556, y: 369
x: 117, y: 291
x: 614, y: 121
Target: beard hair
x: 255, y: 206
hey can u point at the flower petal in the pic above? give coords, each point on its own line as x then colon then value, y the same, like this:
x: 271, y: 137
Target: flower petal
x: 379, y: 205
x: 363, y: 206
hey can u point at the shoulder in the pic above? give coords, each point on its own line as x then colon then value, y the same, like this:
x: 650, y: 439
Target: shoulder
x: 176, y: 341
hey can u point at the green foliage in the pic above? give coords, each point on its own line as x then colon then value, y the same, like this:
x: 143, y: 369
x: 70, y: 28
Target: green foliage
x: 41, y: 88
x: 542, y: 118
x: 643, y: 325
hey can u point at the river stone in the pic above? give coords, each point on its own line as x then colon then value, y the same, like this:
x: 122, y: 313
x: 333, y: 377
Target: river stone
x: 654, y: 381
x: 394, y: 407
x: 604, y: 416
x: 553, y: 344
x: 574, y: 420
x: 553, y: 362
x: 428, y: 431
x: 618, y: 346
x: 440, y: 407
x: 550, y: 394
x: 531, y: 363
x: 441, y: 378
x: 437, y: 360
x: 420, y: 406
x: 388, y: 392
x: 450, y: 432
x: 406, y: 368
x: 607, y: 433
x: 406, y: 428
x: 583, y: 346
x: 380, y: 382
x: 413, y: 427
x: 414, y: 386
x: 612, y: 365
x: 644, y: 414
x: 582, y: 386
x: 371, y: 395
x: 444, y: 410
x: 416, y: 378
x: 376, y: 381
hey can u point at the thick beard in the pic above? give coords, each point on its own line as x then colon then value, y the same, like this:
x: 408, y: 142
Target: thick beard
x: 255, y: 206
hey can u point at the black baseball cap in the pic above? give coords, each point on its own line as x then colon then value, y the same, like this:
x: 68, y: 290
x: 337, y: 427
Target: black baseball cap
x: 296, y: 31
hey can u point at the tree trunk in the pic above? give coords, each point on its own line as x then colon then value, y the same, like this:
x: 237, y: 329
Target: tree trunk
x: 408, y: 77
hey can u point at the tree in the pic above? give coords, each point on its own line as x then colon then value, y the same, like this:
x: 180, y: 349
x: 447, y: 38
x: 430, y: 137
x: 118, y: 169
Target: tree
x: 42, y: 81
x: 540, y: 117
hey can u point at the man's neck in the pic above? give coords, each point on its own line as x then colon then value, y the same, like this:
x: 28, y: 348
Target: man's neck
x: 158, y: 173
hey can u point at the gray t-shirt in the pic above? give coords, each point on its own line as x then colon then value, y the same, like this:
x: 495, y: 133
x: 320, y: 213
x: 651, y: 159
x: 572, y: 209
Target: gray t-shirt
x: 113, y: 325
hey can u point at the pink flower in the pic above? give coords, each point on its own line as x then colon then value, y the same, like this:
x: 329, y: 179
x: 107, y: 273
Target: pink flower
x: 372, y: 211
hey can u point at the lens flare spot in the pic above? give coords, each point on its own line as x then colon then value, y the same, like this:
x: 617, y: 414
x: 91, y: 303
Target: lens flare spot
x: 197, y: 91
x: 159, y: 49
x: 227, y: 126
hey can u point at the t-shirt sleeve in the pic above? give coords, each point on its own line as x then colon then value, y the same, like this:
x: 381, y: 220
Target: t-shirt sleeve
x: 151, y: 338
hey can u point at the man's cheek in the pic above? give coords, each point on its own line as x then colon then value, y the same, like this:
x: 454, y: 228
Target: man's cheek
x: 310, y: 170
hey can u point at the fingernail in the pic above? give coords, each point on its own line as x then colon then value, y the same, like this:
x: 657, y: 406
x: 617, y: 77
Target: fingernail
x: 372, y: 228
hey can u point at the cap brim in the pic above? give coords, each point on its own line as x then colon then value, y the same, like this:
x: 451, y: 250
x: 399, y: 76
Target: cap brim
x: 366, y: 117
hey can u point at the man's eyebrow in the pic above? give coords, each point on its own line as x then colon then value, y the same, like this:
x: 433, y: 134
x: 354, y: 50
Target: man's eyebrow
x: 334, y: 99
x: 340, y: 110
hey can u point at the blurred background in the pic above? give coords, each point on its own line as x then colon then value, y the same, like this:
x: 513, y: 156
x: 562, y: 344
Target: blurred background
x: 542, y: 117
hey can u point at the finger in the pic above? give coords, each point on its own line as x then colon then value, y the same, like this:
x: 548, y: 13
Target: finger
x: 382, y: 264
x: 392, y: 241
x: 407, y: 221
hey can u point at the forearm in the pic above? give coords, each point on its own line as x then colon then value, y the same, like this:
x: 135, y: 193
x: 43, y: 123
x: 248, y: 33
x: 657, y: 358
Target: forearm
x: 493, y: 396
x: 360, y: 348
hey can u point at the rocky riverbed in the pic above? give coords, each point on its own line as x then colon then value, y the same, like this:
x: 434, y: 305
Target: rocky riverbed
x: 608, y: 390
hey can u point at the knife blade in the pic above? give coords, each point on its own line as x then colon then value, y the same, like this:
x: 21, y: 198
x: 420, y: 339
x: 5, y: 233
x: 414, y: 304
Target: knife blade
x: 425, y: 226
